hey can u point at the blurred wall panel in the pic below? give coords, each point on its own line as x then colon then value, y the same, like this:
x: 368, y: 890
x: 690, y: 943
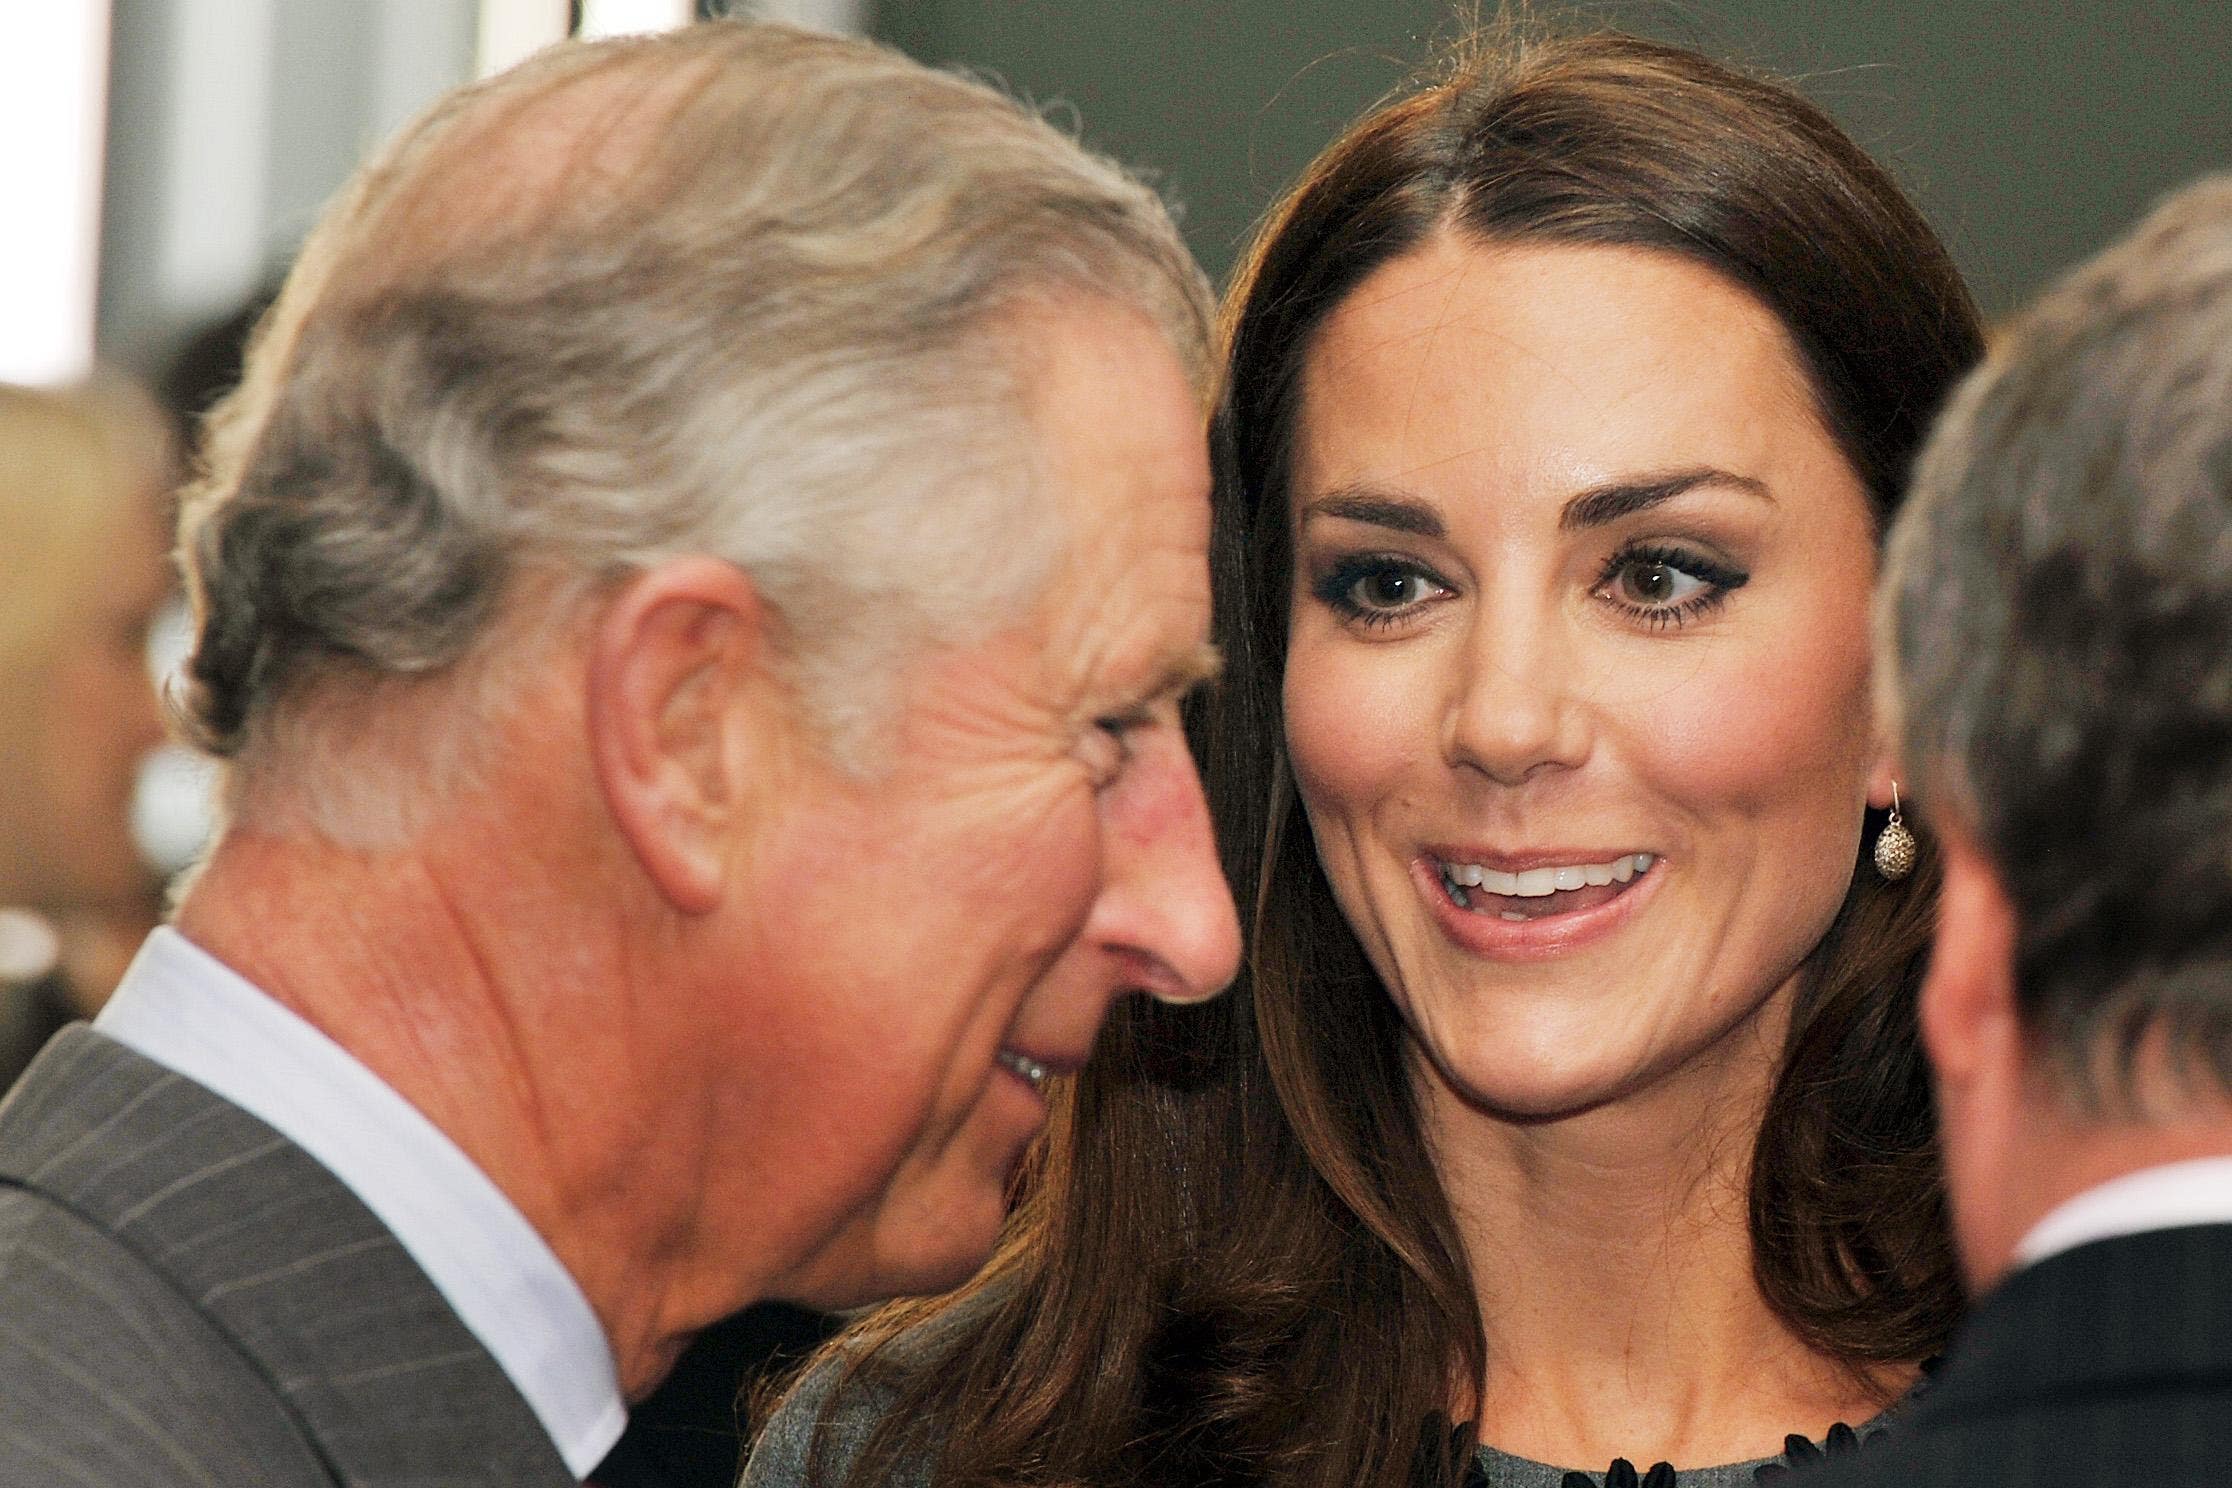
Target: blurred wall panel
x: 2033, y: 131
x: 230, y: 123
x: 420, y: 50
x: 189, y: 121
x: 1221, y: 101
x: 310, y: 150
x: 844, y: 17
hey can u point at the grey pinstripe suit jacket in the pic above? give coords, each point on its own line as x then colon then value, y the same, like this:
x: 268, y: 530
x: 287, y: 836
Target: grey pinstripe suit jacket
x: 188, y: 1298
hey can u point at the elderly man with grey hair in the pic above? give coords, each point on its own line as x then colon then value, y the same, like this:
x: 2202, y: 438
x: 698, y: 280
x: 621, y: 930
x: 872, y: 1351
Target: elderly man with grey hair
x: 2057, y: 614
x: 693, y: 595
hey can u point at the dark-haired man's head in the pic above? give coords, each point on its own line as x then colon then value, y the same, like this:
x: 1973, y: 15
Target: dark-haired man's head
x: 2057, y: 620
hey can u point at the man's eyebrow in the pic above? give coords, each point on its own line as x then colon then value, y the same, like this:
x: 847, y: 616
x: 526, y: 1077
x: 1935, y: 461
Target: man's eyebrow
x: 1608, y: 503
x: 1187, y: 670
x: 1180, y: 673
x: 1379, y: 509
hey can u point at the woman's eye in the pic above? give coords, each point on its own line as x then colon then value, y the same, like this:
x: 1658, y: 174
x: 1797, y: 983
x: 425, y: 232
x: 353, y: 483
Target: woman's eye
x: 1656, y: 583
x: 1376, y: 590
x: 1667, y: 586
x: 1387, y: 591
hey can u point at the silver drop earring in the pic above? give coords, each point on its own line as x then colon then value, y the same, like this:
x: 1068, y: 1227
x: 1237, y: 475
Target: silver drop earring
x: 1895, y: 845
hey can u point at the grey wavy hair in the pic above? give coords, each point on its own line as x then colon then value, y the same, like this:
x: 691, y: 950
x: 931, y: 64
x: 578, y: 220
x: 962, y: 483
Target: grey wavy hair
x: 736, y: 289
x: 2057, y: 608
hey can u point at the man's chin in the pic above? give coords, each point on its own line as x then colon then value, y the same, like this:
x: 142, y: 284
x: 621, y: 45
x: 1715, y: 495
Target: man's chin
x: 896, y: 1264
x: 847, y: 1294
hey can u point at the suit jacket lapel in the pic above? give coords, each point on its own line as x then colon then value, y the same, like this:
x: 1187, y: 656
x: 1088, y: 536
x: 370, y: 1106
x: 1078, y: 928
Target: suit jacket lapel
x: 282, y: 1257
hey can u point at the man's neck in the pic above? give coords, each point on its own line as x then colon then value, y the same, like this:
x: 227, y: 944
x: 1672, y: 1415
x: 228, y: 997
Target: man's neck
x: 2085, y: 1159
x: 493, y: 1021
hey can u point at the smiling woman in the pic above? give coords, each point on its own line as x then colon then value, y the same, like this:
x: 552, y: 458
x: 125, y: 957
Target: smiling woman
x: 1620, y: 625
x: 1574, y: 1095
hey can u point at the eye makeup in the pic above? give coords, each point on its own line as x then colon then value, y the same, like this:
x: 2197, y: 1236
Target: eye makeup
x: 1662, y: 584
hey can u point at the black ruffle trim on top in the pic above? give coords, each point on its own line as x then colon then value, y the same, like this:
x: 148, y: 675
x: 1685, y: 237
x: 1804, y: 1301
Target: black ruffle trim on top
x: 1798, y: 1451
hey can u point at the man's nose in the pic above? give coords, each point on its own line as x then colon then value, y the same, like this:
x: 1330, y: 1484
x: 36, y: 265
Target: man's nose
x: 1164, y: 907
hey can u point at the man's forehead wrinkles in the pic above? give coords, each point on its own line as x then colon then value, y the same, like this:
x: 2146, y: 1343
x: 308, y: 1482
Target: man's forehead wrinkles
x: 1123, y: 664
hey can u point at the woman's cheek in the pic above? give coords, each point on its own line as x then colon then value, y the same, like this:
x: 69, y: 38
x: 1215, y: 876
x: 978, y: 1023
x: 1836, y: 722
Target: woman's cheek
x: 1346, y: 725
x: 1760, y: 722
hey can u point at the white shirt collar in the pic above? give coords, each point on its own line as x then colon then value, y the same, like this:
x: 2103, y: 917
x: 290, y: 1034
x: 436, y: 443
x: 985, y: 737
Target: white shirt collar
x: 184, y: 1009
x: 2198, y: 1191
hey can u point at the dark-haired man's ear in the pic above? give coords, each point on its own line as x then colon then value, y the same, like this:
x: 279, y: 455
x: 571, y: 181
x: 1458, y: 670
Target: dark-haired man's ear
x: 675, y: 662
x: 1972, y: 1031
x: 1970, y: 1023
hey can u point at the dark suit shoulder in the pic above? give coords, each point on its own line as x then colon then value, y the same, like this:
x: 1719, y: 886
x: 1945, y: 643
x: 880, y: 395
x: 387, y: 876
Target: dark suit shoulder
x: 113, y: 1378
x: 2105, y: 1365
x: 2157, y: 1436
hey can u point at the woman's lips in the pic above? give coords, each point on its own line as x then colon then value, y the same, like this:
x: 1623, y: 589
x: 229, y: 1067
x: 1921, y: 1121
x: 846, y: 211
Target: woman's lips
x: 1534, y: 925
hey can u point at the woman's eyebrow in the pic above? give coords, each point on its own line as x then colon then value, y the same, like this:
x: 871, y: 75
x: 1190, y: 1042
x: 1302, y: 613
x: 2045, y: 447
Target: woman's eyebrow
x: 1608, y: 503
x: 1379, y: 509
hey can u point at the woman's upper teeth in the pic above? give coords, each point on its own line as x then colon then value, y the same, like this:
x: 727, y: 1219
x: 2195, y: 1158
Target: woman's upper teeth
x: 1533, y: 883
x: 1022, y: 1065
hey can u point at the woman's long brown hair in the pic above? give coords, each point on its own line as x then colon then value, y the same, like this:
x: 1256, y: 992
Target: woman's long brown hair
x: 1231, y: 1261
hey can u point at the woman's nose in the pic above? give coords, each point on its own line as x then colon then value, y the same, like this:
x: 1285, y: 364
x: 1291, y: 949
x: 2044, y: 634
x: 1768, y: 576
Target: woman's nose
x: 1511, y: 704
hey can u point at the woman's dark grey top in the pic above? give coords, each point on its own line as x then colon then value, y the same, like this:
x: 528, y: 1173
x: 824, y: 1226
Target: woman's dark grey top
x: 1494, y: 1469
x: 784, y: 1446
x: 780, y: 1456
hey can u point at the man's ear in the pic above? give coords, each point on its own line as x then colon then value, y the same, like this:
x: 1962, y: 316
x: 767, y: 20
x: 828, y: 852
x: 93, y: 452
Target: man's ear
x: 1970, y: 1022
x: 676, y: 662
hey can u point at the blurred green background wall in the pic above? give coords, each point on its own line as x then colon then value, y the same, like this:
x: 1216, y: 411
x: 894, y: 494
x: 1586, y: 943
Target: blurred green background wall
x: 2032, y: 133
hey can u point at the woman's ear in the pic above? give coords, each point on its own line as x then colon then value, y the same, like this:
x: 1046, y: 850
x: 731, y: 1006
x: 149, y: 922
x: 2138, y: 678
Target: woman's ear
x: 679, y: 689
x: 1885, y: 783
x: 1884, y: 708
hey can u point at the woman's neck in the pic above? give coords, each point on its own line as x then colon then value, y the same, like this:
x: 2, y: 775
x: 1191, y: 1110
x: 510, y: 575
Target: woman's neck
x: 1611, y: 1254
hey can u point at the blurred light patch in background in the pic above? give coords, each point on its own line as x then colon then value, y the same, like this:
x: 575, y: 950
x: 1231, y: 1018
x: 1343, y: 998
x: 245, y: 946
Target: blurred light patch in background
x: 174, y: 800
x: 626, y: 17
x: 53, y: 104
x: 513, y: 30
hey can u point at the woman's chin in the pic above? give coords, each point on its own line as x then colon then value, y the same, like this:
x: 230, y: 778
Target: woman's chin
x: 1529, y: 1088
x: 1537, y: 1101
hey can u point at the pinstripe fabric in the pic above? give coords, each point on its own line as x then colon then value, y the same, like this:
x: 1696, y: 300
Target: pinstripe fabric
x: 188, y: 1298
x: 2107, y: 1364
